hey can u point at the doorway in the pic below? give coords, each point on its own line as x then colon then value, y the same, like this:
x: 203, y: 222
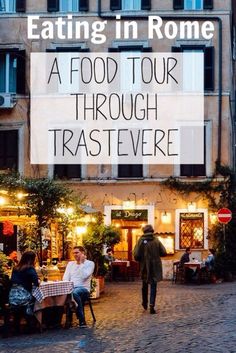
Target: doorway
x: 129, y: 237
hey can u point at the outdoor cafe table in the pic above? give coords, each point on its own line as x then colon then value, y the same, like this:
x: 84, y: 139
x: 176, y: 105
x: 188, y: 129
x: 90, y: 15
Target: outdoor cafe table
x: 50, y: 294
x: 119, y: 268
x: 194, y: 264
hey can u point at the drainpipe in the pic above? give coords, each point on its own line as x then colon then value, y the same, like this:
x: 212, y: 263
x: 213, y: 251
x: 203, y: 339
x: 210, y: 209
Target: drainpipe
x: 177, y: 17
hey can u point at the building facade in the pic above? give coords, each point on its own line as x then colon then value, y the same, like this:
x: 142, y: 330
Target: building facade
x: 128, y: 195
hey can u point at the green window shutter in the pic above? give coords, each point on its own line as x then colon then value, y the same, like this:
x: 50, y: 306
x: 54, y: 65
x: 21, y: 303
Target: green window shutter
x: 209, y: 69
x: 20, y: 73
x: 115, y: 5
x: 20, y: 5
x: 53, y: 5
x: 146, y: 5
x: 178, y: 4
x: 83, y: 5
x: 208, y: 4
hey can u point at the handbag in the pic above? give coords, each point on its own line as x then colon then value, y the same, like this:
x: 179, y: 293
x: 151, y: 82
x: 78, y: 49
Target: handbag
x: 19, y: 296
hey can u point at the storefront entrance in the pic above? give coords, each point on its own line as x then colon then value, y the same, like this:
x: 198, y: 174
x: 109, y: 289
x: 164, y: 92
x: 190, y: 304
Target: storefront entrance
x: 129, y: 237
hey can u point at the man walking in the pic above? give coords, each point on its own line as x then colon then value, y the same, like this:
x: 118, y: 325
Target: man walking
x: 80, y: 272
x: 147, y: 252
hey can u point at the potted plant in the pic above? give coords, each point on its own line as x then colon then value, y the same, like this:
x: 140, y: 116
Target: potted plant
x: 98, y: 234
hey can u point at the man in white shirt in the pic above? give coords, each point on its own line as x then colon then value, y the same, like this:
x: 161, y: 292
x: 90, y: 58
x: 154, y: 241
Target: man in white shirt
x: 80, y: 272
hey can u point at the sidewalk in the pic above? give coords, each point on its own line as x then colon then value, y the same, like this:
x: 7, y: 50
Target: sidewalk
x: 190, y: 319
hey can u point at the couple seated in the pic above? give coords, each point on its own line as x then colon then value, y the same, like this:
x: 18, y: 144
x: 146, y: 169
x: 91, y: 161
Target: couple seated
x: 192, y: 275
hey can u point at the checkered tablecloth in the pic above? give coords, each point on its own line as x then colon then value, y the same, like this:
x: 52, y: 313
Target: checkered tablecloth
x: 51, y: 289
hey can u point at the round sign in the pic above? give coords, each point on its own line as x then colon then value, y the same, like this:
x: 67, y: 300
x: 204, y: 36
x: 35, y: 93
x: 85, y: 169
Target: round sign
x: 224, y: 215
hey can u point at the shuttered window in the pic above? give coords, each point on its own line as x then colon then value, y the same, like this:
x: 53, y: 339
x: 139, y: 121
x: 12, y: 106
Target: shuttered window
x: 9, y: 149
x: 20, y: 5
x: 127, y: 5
x: 12, y: 71
x: 209, y: 67
x: 67, y: 171
x: 192, y: 4
x: 68, y: 5
x: 130, y: 170
x: 192, y: 170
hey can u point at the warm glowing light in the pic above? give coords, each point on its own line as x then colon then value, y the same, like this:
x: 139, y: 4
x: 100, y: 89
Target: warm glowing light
x: 20, y: 195
x: 192, y: 206
x: 2, y: 201
x: 166, y: 217
x: 81, y: 230
x: 69, y: 236
x: 61, y: 210
x: 168, y: 243
x: 128, y: 205
x: 67, y: 211
x: 143, y: 225
x: 198, y: 233
x: 213, y: 218
x: 117, y: 225
x: 70, y: 210
x: 4, y: 192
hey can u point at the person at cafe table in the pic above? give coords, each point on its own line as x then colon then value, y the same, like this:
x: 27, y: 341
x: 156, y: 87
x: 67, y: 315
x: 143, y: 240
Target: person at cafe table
x: 80, y: 272
x: 189, y: 273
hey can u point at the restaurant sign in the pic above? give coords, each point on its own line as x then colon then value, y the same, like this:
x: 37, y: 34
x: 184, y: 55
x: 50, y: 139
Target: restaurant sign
x: 130, y: 215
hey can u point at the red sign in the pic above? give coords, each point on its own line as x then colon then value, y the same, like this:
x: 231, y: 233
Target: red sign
x: 224, y: 215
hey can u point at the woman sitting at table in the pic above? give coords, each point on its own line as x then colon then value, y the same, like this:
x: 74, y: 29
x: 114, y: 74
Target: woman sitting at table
x: 210, y: 260
x: 23, y: 277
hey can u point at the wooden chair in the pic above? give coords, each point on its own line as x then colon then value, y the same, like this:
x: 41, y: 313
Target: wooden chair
x: 70, y: 308
x: 179, y: 275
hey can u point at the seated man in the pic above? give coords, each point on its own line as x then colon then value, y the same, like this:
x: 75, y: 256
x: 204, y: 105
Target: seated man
x: 188, y: 271
x: 80, y: 272
x: 109, y: 257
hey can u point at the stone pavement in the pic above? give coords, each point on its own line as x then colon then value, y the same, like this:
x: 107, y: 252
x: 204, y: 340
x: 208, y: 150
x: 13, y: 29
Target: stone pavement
x: 190, y: 319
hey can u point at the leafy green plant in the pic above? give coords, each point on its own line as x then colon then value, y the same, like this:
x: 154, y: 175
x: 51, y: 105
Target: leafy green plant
x: 96, y: 237
x: 3, y: 263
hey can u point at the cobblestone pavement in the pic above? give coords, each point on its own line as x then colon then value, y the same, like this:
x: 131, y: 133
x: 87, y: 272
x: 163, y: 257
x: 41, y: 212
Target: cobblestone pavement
x: 190, y: 319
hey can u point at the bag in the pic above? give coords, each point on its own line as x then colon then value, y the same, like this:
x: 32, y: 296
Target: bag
x: 19, y: 296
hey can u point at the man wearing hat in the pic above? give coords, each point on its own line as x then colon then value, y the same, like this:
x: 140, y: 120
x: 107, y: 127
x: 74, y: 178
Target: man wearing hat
x: 148, y: 252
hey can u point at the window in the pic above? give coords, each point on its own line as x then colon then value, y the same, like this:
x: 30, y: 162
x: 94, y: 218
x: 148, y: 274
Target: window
x: 192, y: 170
x: 67, y: 171
x: 130, y: 171
x: 191, y: 230
x: 193, y: 4
x: 12, y: 6
x: 209, y: 68
x: 7, y: 6
x: 193, y: 67
x: 12, y: 72
x: 127, y: 5
x: 8, y: 66
x: 9, y: 149
x: 67, y: 5
x: 131, y: 4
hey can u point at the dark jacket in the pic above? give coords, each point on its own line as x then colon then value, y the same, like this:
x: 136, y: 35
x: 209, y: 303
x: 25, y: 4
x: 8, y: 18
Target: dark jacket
x: 185, y: 258
x: 148, y: 252
x: 26, y: 278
